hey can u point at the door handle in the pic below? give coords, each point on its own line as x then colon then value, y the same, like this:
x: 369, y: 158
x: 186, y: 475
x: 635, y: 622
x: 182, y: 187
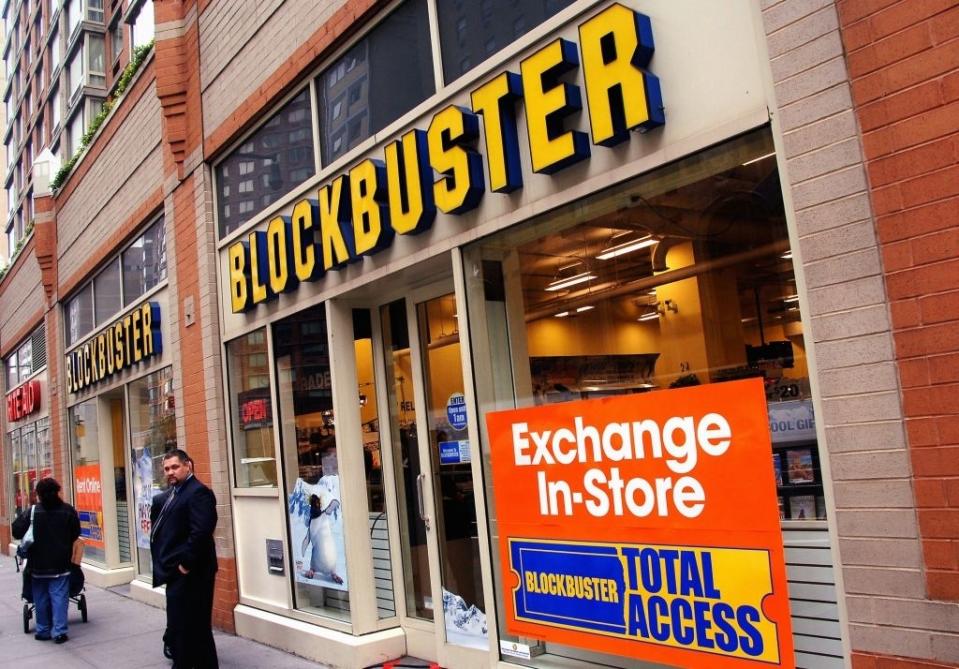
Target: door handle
x: 420, y: 501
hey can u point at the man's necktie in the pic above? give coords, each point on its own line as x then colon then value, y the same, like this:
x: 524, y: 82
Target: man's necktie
x: 166, y: 505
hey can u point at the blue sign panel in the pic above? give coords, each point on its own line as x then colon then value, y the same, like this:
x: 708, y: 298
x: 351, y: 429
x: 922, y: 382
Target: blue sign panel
x: 456, y: 411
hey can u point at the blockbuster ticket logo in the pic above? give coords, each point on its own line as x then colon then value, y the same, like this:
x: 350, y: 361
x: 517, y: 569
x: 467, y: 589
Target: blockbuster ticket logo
x: 645, y: 526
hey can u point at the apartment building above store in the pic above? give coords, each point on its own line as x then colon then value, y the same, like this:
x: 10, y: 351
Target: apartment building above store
x: 63, y: 59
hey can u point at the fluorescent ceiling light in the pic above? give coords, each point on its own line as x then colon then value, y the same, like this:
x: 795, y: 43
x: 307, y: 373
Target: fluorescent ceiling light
x: 791, y: 298
x: 580, y: 310
x: 756, y: 160
x: 559, y: 284
x: 627, y: 247
x: 787, y: 255
x: 651, y: 316
x: 562, y: 314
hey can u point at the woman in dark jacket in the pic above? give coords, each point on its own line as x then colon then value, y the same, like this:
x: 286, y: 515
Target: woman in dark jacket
x: 55, y: 527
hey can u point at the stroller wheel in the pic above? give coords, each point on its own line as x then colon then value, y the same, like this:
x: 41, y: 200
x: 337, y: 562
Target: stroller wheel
x: 82, y: 605
x: 27, y: 614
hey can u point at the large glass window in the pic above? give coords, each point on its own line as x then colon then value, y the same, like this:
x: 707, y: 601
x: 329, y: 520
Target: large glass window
x: 252, y: 411
x: 380, y: 78
x: 55, y: 109
x: 75, y: 72
x: 106, y: 292
x: 153, y: 433
x: 95, y: 60
x: 54, y: 52
x: 144, y: 263
x: 79, y: 315
x: 75, y: 134
x: 471, y: 32
x: 74, y: 9
x: 305, y: 397
x: 679, y: 278
x: 84, y: 441
x: 271, y: 162
x: 95, y: 10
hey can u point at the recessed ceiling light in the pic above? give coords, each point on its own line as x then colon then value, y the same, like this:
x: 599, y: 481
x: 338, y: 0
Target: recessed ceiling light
x: 580, y: 310
x: 562, y: 314
x: 651, y: 316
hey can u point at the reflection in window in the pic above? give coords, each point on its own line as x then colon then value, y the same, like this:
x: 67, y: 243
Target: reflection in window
x: 471, y: 32
x: 252, y: 411
x: 678, y: 278
x: 106, y: 292
x: 268, y: 157
x: 144, y: 263
x: 153, y: 433
x: 80, y: 315
x: 383, y: 76
x: 305, y: 397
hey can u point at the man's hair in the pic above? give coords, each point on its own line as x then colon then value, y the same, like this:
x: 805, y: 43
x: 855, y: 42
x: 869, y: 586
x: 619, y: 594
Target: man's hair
x: 178, y: 453
x: 47, y: 490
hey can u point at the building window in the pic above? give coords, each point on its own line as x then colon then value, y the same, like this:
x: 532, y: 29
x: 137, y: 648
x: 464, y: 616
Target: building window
x: 55, y: 109
x: 138, y: 269
x: 79, y: 315
x: 383, y: 76
x: 142, y: 26
x: 55, y: 51
x: 267, y: 159
x: 95, y: 61
x: 28, y: 359
x: 95, y: 10
x: 144, y: 263
x: 153, y: 434
x: 73, y: 8
x: 309, y: 448
x: 75, y: 72
x: 248, y: 369
x: 106, y: 292
x: 116, y: 41
x: 75, y: 135
x: 649, y: 286
x: 83, y: 431
x: 492, y: 25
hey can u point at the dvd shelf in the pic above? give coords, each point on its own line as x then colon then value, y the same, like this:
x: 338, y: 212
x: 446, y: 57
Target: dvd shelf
x: 795, y: 459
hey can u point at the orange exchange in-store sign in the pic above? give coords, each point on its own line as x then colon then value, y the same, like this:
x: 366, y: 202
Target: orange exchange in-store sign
x: 645, y: 526
x: 359, y: 212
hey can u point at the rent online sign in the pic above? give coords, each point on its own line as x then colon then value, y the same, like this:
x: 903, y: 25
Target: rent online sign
x: 646, y: 526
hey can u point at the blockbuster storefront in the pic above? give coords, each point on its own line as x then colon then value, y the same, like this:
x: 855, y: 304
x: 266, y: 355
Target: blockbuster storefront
x: 515, y: 365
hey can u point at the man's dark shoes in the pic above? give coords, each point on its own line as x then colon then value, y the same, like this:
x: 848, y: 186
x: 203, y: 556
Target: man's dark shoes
x: 41, y: 637
x: 61, y: 638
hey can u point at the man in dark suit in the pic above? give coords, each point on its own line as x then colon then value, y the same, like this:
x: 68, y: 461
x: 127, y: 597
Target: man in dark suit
x: 184, y: 558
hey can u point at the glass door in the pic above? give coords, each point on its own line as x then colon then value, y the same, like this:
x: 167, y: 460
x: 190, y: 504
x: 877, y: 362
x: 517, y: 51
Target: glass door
x: 444, y: 608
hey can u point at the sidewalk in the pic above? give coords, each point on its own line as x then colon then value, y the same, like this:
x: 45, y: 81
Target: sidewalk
x: 121, y: 632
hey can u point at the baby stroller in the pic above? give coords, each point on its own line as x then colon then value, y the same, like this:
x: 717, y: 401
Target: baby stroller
x: 76, y: 592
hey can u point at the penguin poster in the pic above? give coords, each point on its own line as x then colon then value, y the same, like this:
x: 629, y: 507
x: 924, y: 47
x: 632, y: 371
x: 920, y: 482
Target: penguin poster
x: 316, y: 529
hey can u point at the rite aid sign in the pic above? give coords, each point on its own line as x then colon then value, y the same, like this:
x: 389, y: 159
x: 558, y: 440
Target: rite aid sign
x: 23, y: 400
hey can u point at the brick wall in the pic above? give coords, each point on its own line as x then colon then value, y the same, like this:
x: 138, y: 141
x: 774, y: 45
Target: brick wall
x: 243, y: 43
x: 904, y: 65
x: 820, y: 64
x: 106, y: 191
x: 22, y: 301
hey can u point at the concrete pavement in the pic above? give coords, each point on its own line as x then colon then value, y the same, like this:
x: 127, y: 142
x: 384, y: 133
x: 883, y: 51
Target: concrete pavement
x: 121, y: 633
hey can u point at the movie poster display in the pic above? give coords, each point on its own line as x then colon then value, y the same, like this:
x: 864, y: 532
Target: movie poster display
x: 645, y: 525
x: 316, y: 531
